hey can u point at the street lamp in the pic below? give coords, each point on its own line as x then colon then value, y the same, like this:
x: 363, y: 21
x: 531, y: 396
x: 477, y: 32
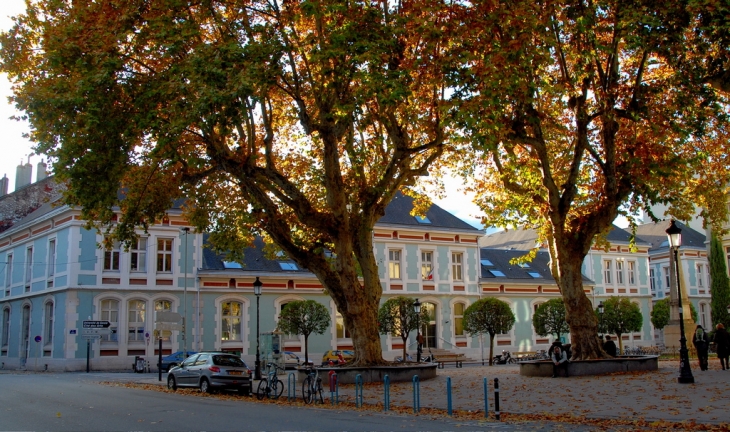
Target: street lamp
x: 417, y: 310
x: 257, y: 365
x: 186, y: 230
x: 674, y: 234
x: 600, y: 312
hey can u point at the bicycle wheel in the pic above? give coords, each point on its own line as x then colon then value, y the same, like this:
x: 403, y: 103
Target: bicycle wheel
x: 307, y: 387
x: 263, y: 389
x: 318, y: 391
x: 277, y: 388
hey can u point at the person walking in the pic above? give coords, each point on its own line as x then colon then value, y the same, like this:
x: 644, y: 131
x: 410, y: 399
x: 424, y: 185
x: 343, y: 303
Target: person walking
x: 722, y: 339
x: 610, y: 346
x: 702, y: 345
x: 560, y: 360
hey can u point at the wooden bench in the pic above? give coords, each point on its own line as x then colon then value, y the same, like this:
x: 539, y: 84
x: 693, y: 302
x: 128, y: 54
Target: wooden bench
x: 457, y: 359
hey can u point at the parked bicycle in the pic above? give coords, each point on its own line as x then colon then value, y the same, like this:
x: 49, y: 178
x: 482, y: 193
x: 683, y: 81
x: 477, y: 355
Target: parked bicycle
x: 312, y: 386
x: 271, y: 386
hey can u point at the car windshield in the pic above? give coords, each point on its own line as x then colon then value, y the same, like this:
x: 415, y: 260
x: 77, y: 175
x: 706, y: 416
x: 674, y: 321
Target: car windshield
x: 228, y: 360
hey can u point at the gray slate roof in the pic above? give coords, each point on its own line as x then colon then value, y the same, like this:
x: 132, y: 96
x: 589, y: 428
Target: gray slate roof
x: 524, y: 239
x: 499, y: 259
x: 655, y: 234
x: 399, y: 209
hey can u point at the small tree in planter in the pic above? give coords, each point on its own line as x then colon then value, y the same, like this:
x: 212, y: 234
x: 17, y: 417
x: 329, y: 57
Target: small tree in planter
x: 398, y: 318
x: 304, y: 317
x: 621, y: 316
x: 488, y: 315
x: 549, y: 319
x: 660, y: 313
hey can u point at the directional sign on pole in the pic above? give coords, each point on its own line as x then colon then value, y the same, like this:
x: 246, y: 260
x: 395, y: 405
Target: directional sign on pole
x: 96, y: 324
x: 95, y: 332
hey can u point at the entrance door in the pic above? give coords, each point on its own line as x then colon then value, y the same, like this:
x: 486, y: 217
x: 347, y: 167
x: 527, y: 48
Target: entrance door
x: 428, y: 326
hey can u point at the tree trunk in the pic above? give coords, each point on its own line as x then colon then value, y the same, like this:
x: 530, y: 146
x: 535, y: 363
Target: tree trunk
x: 405, y: 350
x: 491, y: 349
x: 306, y: 349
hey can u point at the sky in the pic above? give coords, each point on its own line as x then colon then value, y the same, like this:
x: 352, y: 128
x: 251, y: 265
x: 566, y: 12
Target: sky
x: 16, y: 149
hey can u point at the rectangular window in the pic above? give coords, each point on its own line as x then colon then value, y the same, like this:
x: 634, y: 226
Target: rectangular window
x: 9, y: 270
x: 111, y: 257
x: 652, y: 279
x: 427, y: 265
x: 110, y: 312
x: 51, y: 257
x: 666, y: 277
x: 620, y: 272
x: 28, y: 266
x: 632, y: 272
x: 138, y: 256
x: 394, y: 264
x: 231, y: 321
x: 456, y: 266
x: 48, y: 325
x: 135, y: 323
x: 459, y: 319
x: 607, y: 271
x: 6, y: 330
x: 164, y: 255
x: 700, y: 275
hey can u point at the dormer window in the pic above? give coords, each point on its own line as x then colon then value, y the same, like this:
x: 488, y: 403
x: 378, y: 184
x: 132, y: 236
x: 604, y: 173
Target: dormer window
x: 534, y: 274
x: 288, y: 266
x: 422, y: 219
x: 231, y: 265
x: 486, y: 262
x: 497, y: 273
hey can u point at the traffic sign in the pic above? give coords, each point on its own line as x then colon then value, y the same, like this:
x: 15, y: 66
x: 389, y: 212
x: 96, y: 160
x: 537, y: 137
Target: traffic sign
x: 96, y: 324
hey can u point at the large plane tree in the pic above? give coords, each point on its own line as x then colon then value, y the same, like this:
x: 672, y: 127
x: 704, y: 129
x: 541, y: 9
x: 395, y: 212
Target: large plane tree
x: 581, y: 111
x: 297, y: 120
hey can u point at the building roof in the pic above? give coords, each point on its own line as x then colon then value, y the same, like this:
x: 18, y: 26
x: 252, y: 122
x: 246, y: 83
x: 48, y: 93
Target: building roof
x: 536, y: 271
x: 656, y: 235
x: 254, y: 259
x: 399, y: 209
x: 525, y: 239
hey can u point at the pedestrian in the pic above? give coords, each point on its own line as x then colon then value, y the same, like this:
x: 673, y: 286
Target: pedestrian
x: 560, y: 360
x: 610, y: 346
x: 722, y: 339
x: 419, y: 339
x: 702, y: 344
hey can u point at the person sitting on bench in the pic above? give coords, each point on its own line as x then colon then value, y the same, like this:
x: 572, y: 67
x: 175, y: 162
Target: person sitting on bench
x: 560, y: 360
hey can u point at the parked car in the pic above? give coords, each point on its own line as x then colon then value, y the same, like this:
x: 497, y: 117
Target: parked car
x: 173, y: 360
x: 337, y: 357
x: 210, y: 371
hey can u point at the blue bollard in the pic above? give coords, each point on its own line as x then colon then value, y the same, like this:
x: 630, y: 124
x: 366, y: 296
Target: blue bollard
x: 358, y: 391
x: 416, y: 394
x: 448, y: 395
x: 496, y: 398
x: 386, y: 393
x: 291, y: 391
x: 486, y: 399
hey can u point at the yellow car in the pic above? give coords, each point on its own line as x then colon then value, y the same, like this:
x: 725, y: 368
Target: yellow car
x: 337, y: 357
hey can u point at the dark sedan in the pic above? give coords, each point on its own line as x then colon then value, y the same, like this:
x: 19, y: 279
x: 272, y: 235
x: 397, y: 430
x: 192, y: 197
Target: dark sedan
x: 210, y: 371
x: 174, y: 359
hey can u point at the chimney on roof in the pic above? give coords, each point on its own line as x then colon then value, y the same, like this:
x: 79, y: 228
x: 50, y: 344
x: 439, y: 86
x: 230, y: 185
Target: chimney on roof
x: 23, y: 174
x: 41, y: 171
x: 4, y: 182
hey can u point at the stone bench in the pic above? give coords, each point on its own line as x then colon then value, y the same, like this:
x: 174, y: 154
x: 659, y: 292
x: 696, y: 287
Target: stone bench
x: 544, y: 368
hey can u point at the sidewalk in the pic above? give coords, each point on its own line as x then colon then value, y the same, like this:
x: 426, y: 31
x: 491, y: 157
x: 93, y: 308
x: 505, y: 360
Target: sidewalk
x: 650, y: 396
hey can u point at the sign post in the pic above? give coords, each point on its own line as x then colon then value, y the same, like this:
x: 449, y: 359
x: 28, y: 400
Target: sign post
x: 93, y: 330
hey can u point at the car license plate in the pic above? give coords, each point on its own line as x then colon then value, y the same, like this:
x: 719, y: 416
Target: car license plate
x: 234, y: 372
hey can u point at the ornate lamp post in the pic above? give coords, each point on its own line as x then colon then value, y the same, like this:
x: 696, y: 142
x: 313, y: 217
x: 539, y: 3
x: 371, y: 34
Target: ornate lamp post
x: 257, y: 365
x: 674, y: 234
x: 600, y: 313
x: 417, y: 310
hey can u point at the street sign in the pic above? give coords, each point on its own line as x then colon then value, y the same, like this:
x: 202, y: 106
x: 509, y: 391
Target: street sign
x: 167, y: 317
x: 168, y: 326
x: 95, y: 331
x: 37, y: 339
x: 96, y: 324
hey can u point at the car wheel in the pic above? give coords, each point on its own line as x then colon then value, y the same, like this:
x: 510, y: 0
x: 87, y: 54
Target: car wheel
x: 171, y: 384
x: 205, y: 386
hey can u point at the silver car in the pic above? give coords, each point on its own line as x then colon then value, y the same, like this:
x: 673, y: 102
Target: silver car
x: 209, y: 371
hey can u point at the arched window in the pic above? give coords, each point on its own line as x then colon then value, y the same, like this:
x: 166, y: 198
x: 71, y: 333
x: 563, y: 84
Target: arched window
x: 163, y: 306
x: 135, y: 323
x: 231, y: 314
x: 342, y: 331
x: 47, y: 329
x: 110, y: 312
x: 459, y: 319
x: 6, y: 332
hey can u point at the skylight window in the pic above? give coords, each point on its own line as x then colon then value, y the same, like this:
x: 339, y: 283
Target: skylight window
x: 288, y: 266
x: 422, y: 219
x: 231, y: 265
x: 497, y: 273
x: 486, y: 262
x: 524, y: 265
x: 534, y: 274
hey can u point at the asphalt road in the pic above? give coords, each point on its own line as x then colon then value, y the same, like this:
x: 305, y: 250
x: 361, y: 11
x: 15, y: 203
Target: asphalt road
x: 77, y: 402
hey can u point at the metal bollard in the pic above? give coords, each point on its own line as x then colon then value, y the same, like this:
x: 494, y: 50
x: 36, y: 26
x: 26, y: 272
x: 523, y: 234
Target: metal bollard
x: 496, y: 398
x: 291, y: 391
x: 386, y: 393
x: 334, y: 388
x: 416, y: 394
x: 486, y: 399
x: 448, y: 395
x: 358, y: 391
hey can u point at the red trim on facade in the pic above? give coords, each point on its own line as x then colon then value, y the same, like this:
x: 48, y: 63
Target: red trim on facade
x: 468, y: 240
x: 504, y: 342
x: 429, y: 288
x: 62, y: 221
x: 449, y: 239
x: 413, y: 237
x: 306, y: 286
x: 166, y: 282
x: 490, y: 289
x: 396, y: 287
x: 138, y: 281
x: 40, y: 230
x: 459, y: 288
x: 4, y: 244
x: 383, y: 235
x: 114, y: 281
x: 524, y: 290
x: 461, y: 344
x: 108, y: 353
x: 23, y: 237
x: 397, y: 346
x: 215, y: 284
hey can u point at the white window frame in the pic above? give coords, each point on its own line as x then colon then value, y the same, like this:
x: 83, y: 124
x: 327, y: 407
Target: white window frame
x: 607, y: 272
x: 164, y: 254
x: 427, y: 265
x: 48, y: 312
x: 9, y: 270
x: 667, y: 280
x: 631, y: 270
x: 394, y: 263
x: 136, y: 318
x: 112, y: 257
x: 700, y: 276
x: 5, y: 339
x: 457, y: 269
x: 51, y: 257
x: 704, y: 316
x: 111, y: 314
x: 619, y: 272
x: 652, y: 279
x: 138, y: 256
x: 28, y: 267
x: 224, y: 317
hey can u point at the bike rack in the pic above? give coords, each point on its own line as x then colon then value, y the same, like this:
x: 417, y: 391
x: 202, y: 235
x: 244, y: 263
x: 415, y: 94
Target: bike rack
x: 291, y: 391
x: 386, y: 393
x: 448, y: 395
x: 416, y: 394
x: 358, y: 391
